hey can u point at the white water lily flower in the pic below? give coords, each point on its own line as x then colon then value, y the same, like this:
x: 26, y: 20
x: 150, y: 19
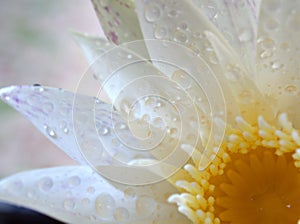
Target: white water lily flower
x: 250, y: 175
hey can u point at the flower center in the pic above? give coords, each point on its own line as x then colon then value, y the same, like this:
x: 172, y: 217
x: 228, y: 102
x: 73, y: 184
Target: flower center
x: 258, y: 187
x: 253, y: 178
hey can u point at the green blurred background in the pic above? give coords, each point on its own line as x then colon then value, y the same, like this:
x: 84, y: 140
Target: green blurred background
x: 36, y: 47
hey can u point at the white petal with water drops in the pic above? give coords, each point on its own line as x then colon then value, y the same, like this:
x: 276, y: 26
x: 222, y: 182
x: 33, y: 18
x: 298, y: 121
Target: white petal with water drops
x: 75, y: 123
x: 278, y: 52
x: 76, y: 194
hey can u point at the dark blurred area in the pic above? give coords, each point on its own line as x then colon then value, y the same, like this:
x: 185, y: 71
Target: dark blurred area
x: 10, y: 214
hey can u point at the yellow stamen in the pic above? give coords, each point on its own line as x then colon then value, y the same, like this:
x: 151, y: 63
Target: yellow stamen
x: 254, y: 178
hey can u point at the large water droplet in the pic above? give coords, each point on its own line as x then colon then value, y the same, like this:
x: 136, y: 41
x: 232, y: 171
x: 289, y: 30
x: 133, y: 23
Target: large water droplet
x: 145, y: 205
x: 45, y: 184
x: 105, y: 205
x: 152, y: 12
x: 121, y: 214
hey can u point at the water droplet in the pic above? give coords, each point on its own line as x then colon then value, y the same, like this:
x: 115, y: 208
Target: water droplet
x: 129, y: 56
x: 245, y: 35
x: 179, y: 36
x: 291, y: 89
x: 182, y: 78
x: 103, y: 130
x: 266, y: 43
x: 121, y: 214
x: 105, y: 205
x: 272, y: 24
x: 129, y: 193
x: 66, y: 130
x: 50, y: 132
x: 173, y: 13
x: 15, y: 186
x: 183, y: 26
x: 74, y: 181
x: 121, y: 126
x: 276, y: 65
x: 69, y: 204
x: 152, y: 12
x: 173, y: 132
x: 160, y: 32
x: 90, y: 190
x: 266, y: 54
x: 45, y: 184
x: 145, y: 205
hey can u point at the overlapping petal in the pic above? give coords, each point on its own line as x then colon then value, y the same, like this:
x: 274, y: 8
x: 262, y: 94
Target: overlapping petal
x: 278, y: 55
x: 118, y: 20
x: 241, y: 32
x: 77, y: 194
x: 81, y: 126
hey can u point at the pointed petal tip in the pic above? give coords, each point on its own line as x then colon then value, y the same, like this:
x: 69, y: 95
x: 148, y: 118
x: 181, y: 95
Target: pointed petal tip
x: 6, y: 91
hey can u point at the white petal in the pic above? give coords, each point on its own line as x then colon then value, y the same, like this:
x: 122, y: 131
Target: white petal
x: 237, y: 20
x: 278, y: 55
x: 118, y: 20
x: 243, y: 87
x: 183, y: 23
x: 76, y: 194
x: 92, y: 46
x: 76, y: 124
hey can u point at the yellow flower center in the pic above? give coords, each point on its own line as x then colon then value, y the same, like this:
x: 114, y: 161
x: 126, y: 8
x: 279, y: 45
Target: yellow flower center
x: 258, y: 187
x: 254, y: 177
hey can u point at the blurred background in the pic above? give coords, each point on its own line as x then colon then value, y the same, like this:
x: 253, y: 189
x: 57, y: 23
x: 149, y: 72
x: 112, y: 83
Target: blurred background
x: 36, y: 47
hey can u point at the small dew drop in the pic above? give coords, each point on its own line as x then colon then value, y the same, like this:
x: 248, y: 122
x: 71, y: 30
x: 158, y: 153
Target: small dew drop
x: 160, y: 32
x: 291, y: 89
x: 266, y: 54
x: 271, y: 24
x: 182, y: 78
x: 45, y: 184
x: 90, y: 190
x: 74, y: 181
x: 69, y: 204
x: 179, y: 36
x: 121, y: 214
x: 276, y: 66
x: 245, y: 35
x: 50, y: 132
x: 145, y: 205
x: 152, y: 12
x: 103, y: 130
x: 105, y: 205
x: 129, y: 193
